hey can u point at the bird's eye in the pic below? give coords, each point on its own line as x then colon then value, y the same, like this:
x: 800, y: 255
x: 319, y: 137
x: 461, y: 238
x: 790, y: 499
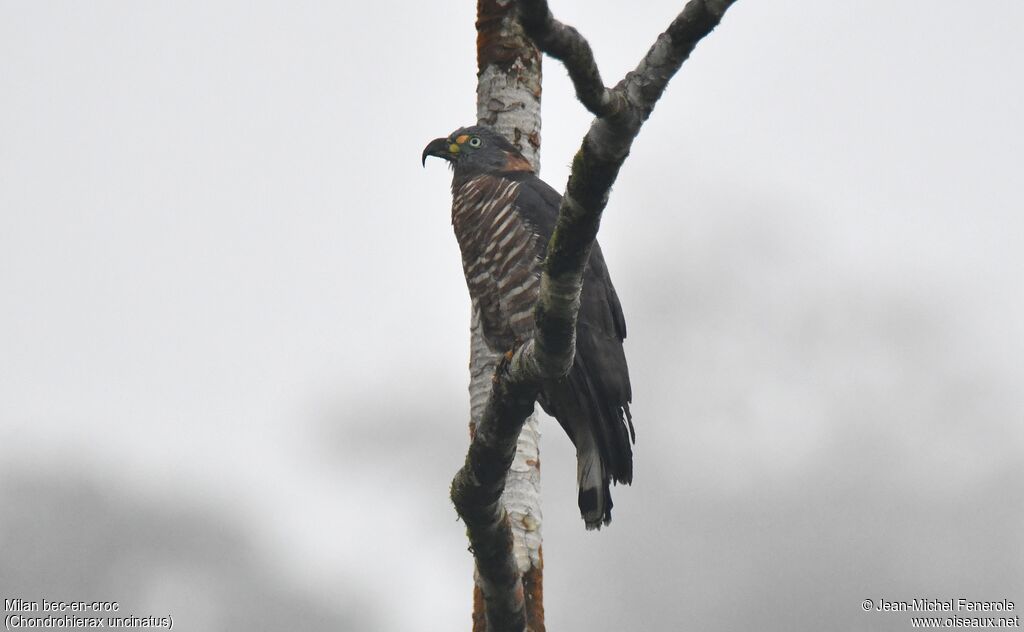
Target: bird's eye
x: 474, y: 142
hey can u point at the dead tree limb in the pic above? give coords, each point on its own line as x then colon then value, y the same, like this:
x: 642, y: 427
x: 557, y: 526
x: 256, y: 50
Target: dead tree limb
x: 620, y: 112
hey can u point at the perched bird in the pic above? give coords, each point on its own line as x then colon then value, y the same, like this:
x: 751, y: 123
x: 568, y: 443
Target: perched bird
x: 503, y: 216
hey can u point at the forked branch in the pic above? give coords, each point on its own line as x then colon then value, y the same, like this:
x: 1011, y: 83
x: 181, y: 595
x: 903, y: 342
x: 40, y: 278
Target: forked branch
x: 620, y: 112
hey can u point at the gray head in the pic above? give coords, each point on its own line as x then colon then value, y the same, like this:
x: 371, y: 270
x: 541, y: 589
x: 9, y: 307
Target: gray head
x: 477, y: 149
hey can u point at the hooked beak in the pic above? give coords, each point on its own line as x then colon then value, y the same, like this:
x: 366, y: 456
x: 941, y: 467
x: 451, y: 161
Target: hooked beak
x: 437, y: 147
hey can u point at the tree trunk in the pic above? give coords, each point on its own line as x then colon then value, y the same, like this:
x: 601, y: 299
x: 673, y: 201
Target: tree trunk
x: 508, y: 100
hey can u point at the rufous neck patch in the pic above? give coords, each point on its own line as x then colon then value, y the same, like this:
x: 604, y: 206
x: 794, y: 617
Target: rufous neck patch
x: 515, y: 162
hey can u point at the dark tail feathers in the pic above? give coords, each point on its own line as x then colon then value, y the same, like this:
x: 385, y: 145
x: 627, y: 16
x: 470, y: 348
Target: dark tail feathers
x: 598, y: 421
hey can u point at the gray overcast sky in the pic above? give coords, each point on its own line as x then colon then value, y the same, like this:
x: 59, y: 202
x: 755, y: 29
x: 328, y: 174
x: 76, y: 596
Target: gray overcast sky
x: 233, y: 334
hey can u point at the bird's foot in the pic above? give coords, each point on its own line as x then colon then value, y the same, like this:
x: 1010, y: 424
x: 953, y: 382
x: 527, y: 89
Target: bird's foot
x: 506, y: 359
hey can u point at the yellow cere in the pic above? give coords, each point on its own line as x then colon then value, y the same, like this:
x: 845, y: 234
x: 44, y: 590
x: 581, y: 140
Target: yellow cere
x: 461, y: 139
x: 453, y: 148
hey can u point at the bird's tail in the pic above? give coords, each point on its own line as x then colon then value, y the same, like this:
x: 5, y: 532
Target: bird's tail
x: 597, y: 420
x: 597, y: 467
x: 595, y: 498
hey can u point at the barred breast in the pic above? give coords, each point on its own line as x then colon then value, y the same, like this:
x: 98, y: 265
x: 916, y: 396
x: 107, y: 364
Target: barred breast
x: 500, y: 257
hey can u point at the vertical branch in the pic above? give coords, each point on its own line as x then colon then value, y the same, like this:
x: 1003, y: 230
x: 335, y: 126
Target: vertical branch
x: 508, y: 100
x: 508, y: 78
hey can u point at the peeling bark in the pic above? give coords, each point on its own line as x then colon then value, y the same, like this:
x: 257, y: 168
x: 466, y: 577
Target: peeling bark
x: 508, y: 100
x: 620, y: 112
x: 521, y: 497
x: 533, y: 585
x: 508, y: 78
